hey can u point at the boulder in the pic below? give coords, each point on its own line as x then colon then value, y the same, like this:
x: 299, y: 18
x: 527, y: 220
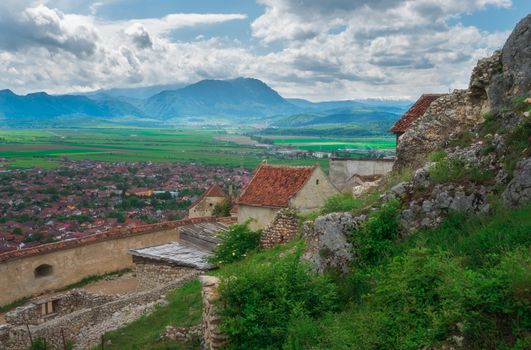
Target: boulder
x: 328, y: 246
x: 518, y: 191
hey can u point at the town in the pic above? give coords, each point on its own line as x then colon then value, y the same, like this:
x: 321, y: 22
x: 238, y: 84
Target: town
x: 86, y: 197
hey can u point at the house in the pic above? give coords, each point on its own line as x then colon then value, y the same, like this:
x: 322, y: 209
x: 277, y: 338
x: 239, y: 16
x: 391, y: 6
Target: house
x: 416, y: 111
x: 272, y: 188
x: 204, y: 206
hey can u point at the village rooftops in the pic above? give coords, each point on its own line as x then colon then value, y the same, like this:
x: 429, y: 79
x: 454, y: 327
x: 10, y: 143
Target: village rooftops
x: 274, y: 186
x: 415, y: 112
x: 214, y: 191
x: 176, y: 254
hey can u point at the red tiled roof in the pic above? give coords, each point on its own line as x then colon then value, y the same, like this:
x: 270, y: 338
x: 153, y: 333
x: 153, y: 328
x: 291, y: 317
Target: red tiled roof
x: 274, y: 186
x: 415, y: 112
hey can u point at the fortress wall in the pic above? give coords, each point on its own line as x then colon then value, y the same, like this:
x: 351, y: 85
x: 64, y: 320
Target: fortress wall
x: 71, y: 262
x: 342, y: 170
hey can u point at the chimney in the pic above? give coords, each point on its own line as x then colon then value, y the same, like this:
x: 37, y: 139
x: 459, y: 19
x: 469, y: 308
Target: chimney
x: 230, y: 190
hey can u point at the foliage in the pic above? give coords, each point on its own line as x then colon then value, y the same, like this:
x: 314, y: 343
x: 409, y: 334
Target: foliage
x: 454, y: 170
x: 118, y: 215
x: 341, y: 203
x: 262, y: 307
x: 235, y: 244
x: 39, y: 343
x: 437, y: 155
x: 222, y: 209
x: 374, y: 239
x: 463, y: 139
x: 13, y: 305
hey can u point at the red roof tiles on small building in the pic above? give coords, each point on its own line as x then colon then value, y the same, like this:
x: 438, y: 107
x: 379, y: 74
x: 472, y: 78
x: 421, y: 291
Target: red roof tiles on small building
x: 214, y: 191
x: 274, y: 186
x: 415, y: 112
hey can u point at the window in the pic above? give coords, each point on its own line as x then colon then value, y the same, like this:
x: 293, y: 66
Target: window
x: 317, y: 182
x: 49, y: 307
x: 43, y: 270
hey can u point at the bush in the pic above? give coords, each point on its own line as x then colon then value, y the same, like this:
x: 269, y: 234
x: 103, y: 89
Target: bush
x: 453, y: 170
x: 374, y: 240
x: 39, y: 344
x: 268, y: 305
x: 222, y: 209
x: 437, y: 155
x: 341, y: 203
x: 235, y: 244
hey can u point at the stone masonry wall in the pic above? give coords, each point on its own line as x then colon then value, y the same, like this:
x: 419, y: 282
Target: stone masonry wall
x: 85, y: 327
x: 152, y: 273
x: 283, y: 229
x: 213, y: 339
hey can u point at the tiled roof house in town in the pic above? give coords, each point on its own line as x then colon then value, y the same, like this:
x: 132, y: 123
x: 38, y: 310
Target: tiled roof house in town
x: 204, y: 206
x: 272, y: 188
x: 416, y: 111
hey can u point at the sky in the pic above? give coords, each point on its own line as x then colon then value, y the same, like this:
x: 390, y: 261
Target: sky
x: 314, y: 49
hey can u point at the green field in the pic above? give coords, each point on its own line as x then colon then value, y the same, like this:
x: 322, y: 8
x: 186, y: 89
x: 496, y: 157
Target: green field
x: 332, y: 144
x: 46, y: 148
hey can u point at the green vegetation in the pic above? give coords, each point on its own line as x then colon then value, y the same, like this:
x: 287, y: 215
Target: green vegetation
x: 340, y: 203
x: 184, y: 310
x: 13, y: 305
x: 222, y: 209
x: 447, y: 170
x: 260, y: 304
x: 94, y: 278
x: 236, y: 243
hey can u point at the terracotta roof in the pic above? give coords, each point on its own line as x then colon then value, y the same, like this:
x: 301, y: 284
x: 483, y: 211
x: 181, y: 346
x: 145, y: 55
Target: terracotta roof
x: 214, y: 191
x: 274, y: 186
x: 415, y: 112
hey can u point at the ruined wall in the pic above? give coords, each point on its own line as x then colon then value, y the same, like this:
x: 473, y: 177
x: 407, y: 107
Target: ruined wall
x: 205, y: 207
x: 151, y: 273
x: 314, y: 193
x: 282, y: 229
x: 73, y: 260
x: 260, y: 216
x: 213, y: 339
x: 78, y: 325
x: 342, y: 170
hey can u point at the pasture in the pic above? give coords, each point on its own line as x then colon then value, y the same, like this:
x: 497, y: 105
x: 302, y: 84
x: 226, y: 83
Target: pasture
x: 332, y: 144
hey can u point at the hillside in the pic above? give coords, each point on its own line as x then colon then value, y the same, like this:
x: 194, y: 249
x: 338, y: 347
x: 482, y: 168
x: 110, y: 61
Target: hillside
x: 435, y: 257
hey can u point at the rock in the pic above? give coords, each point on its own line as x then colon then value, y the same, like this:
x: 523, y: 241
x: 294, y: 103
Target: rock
x: 422, y: 177
x: 514, y: 79
x: 327, y: 241
x: 518, y: 191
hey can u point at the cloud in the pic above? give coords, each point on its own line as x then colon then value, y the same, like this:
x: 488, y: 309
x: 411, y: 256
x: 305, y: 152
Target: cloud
x: 139, y: 36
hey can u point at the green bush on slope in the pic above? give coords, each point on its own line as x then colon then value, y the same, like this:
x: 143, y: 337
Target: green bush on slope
x: 235, y: 244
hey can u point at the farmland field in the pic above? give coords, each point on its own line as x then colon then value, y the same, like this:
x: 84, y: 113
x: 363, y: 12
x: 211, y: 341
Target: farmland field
x: 46, y: 148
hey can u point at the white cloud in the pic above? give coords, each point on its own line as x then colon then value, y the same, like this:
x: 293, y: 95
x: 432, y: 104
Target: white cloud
x: 385, y: 48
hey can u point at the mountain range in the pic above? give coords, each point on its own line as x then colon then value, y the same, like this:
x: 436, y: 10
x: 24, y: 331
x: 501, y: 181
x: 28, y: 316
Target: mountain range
x: 245, y: 100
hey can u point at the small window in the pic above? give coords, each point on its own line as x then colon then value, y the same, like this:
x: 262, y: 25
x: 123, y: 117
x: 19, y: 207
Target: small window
x: 49, y: 307
x: 211, y: 204
x: 43, y: 271
x: 317, y: 182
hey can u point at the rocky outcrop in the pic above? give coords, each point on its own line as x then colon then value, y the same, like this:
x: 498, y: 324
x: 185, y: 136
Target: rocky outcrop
x: 514, y: 79
x: 494, y: 82
x: 518, y: 191
x: 327, y: 241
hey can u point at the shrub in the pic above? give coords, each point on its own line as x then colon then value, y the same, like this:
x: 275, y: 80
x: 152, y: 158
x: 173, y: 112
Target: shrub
x: 447, y: 170
x: 39, y: 344
x: 374, y: 240
x: 341, y: 203
x: 463, y: 139
x: 222, y: 209
x: 437, y: 155
x: 267, y: 305
x: 235, y: 244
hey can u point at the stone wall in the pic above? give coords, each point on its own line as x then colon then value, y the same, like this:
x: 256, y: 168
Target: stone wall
x: 151, y: 273
x: 342, y: 170
x: 84, y: 327
x: 213, y: 339
x: 283, y: 229
x: 62, y: 304
x: 73, y: 260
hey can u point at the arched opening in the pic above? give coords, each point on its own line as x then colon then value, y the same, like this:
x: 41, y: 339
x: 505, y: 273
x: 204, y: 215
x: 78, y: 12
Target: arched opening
x: 43, y: 270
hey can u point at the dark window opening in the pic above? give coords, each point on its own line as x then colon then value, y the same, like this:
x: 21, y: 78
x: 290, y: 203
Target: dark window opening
x: 43, y: 270
x: 317, y: 182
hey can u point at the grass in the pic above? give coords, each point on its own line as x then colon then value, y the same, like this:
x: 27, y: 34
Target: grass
x: 13, y: 305
x: 94, y: 278
x: 184, y: 309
